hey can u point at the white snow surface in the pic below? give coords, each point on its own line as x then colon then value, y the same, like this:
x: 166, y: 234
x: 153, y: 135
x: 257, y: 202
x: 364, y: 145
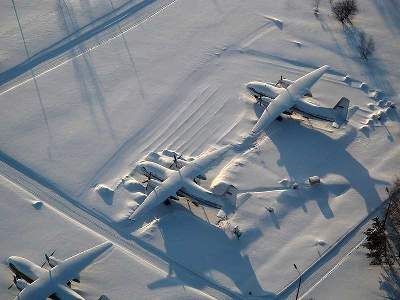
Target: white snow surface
x: 176, y: 79
x: 117, y: 274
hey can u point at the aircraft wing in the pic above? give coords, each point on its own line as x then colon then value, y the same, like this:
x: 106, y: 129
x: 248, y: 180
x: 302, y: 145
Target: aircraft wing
x: 177, y: 180
x: 203, y: 163
x: 287, y: 99
x: 54, y: 280
x: 161, y: 193
x: 71, y: 267
x: 305, y: 83
x: 65, y: 293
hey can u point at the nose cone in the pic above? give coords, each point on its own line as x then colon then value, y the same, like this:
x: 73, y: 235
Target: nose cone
x: 11, y: 260
x: 250, y: 86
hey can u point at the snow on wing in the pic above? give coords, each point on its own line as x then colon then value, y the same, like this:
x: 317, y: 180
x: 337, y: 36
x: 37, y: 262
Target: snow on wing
x: 71, y: 267
x: 161, y: 193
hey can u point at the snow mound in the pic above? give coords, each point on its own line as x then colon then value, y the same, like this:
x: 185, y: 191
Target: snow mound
x: 376, y: 95
x: 347, y: 79
x: 364, y: 87
x: 132, y: 185
x: 104, y: 191
x: 37, y: 204
x: 297, y: 43
x: 321, y: 243
x: 365, y: 130
x: 276, y: 21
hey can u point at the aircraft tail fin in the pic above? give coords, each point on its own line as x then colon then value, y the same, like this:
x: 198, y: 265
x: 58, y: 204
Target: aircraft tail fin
x: 341, y: 109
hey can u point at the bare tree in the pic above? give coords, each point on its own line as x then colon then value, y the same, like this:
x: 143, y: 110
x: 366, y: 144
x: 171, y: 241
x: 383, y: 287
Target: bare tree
x: 382, y: 239
x: 344, y: 10
x: 366, y: 45
x: 316, y: 7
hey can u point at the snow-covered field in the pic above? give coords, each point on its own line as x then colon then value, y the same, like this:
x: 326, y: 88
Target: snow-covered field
x: 118, y: 274
x: 176, y: 79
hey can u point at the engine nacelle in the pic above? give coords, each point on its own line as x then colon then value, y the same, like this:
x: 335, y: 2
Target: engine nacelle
x: 21, y: 284
x: 147, y: 167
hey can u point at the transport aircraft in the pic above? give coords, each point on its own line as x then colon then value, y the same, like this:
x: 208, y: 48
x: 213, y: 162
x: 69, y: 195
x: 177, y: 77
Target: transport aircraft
x: 36, y: 282
x: 288, y: 97
x: 169, y: 183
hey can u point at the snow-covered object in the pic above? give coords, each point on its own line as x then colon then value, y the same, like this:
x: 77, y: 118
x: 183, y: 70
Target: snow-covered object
x: 382, y: 103
x: 321, y: 243
x: 286, y: 100
x: 369, y: 122
x: 297, y: 43
x: 104, y: 191
x: 347, y: 79
x: 377, y: 116
x: 37, y: 204
x: 221, y: 214
x: 364, y: 87
x: 284, y: 182
x: 269, y: 209
x: 314, y: 180
x: 365, y: 129
x: 183, y: 178
x: 133, y: 185
x: 276, y: 21
x: 376, y: 95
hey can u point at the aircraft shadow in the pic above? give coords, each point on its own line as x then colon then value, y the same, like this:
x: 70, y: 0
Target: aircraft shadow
x: 207, y: 250
x: 318, y: 154
x: 194, y: 247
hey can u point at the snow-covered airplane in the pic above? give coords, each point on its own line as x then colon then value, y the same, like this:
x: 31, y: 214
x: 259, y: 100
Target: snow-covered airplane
x: 36, y: 282
x: 169, y: 183
x: 294, y: 96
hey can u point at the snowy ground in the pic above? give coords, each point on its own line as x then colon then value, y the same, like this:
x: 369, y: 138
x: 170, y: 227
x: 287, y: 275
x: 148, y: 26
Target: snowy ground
x: 358, y: 280
x: 177, y: 80
x: 118, y: 274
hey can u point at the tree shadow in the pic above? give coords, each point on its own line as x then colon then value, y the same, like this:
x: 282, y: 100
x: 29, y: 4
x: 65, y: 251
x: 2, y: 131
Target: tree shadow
x: 390, y: 12
x: 373, y: 67
x: 89, y: 83
x: 389, y: 282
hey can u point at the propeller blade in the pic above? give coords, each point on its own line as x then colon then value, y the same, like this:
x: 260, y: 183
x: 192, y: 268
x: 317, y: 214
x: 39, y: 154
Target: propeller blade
x: 14, y: 282
x: 47, y: 258
x: 147, y: 181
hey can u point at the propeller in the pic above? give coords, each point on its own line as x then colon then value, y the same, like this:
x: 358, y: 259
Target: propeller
x: 47, y: 259
x: 279, y: 81
x: 259, y: 101
x: 14, y: 282
x: 149, y: 177
x: 176, y: 161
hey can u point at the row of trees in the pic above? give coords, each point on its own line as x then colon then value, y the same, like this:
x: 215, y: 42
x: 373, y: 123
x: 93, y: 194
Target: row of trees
x: 383, y: 237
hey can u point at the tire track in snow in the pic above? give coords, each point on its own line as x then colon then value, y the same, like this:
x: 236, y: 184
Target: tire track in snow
x: 200, y: 123
x: 198, y: 138
x: 182, y: 118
